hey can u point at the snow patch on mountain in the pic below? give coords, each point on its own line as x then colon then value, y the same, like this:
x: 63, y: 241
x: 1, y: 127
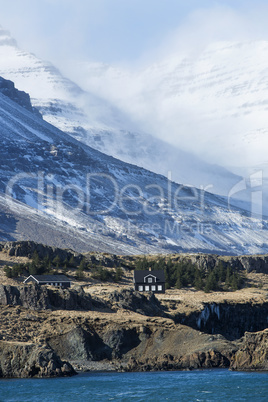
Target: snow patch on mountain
x: 97, y: 123
x: 212, y: 103
x: 68, y: 188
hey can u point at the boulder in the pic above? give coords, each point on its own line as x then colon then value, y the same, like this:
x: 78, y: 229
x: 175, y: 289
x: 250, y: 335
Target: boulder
x: 23, y: 360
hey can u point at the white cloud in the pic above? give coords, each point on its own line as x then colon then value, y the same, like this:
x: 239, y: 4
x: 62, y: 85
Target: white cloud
x: 157, y: 88
x: 192, y: 89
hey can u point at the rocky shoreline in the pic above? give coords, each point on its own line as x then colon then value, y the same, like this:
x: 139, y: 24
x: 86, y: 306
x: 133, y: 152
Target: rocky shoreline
x: 47, y: 332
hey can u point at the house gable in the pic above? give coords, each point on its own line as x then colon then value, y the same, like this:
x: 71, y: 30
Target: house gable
x: 30, y: 278
x: 149, y: 281
x: 150, y: 278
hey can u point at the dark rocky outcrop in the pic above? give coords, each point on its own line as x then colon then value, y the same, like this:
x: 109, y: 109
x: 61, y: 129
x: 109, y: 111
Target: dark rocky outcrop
x: 126, y: 341
x: 80, y: 344
x: 249, y: 263
x: 32, y: 297
x: 121, y: 340
x: 154, y: 346
x: 196, y: 360
x: 229, y: 319
x: 253, y: 352
x: 164, y: 347
x: 129, y: 299
x: 23, y: 360
x: 28, y: 248
x: 8, y: 89
x: 36, y: 297
x: 85, y: 343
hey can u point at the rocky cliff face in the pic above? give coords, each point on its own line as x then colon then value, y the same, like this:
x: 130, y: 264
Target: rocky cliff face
x: 249, y: 263
x: 253, y: 352
x: 28, y: 248
x: 228, y: 319
x: 31, y: 297
x: 128, y: 299
x: 126, y: 330
x: 36, y: 297
x: 31, y: 360
x: 143, y: 346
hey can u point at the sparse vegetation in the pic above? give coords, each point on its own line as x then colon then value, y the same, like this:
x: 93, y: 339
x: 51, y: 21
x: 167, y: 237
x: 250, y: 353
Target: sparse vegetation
x: 118, y: 274
x: 102, y: 274
x: 184, y: 273
x: 36, y: 266
x: 179, y: 272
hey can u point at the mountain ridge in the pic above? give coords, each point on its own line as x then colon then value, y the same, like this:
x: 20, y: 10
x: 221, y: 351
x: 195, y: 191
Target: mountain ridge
x: 99, y: 124
x: 48, y: 179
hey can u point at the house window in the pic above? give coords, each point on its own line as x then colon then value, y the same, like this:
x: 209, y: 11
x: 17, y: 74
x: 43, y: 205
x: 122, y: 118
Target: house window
x: 60, y: 284
x: 159, y: 287
x: 140, y: 288
x: 147, y: 288
x: 150, y: 280
x: 153, y: 288
x: 56, y: 284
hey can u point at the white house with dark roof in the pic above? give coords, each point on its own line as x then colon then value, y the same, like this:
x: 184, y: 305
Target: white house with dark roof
x: 149, y: 281
x: 61, y: 281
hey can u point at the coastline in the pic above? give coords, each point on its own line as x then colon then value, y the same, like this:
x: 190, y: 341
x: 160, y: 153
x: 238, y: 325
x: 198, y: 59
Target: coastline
x: 53, y: 342
x: 106, y: 326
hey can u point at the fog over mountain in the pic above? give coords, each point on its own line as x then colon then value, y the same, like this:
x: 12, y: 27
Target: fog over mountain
x: 212, y: 102
x: 99, y: 123
x: 61, y: 184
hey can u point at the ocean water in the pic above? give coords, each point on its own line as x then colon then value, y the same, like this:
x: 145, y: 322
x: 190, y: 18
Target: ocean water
x: 201, y: 385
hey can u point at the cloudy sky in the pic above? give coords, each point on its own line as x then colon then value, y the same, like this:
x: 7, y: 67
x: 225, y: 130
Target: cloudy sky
x: 132, y: 35
x: 124, y: 30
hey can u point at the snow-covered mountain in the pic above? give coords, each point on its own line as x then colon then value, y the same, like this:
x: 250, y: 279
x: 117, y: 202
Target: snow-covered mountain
x: 59, y: 191
x: 212, y: 101
x: 99, y: 124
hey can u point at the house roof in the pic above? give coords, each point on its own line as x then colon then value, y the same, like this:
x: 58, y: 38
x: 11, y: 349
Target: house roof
x: 50, y: 278
x: 140, y: 274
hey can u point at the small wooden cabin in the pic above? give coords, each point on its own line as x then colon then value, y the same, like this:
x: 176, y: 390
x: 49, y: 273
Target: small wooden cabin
x: 149, y: 281
x: 61, y: 281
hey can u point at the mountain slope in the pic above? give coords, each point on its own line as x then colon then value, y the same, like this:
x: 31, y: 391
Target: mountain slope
x: 51, y: 180
x: 212, y: 102
x: 100, y: 125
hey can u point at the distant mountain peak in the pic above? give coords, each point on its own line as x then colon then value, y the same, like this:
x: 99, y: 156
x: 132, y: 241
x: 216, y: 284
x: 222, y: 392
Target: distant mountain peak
x: 98, y: 123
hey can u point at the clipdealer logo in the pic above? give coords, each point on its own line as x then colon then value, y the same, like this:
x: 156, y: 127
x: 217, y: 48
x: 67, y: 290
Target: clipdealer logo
x: 130, y: 199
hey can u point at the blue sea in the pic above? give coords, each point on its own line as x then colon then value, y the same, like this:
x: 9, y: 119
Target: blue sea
x: 205, y: 385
